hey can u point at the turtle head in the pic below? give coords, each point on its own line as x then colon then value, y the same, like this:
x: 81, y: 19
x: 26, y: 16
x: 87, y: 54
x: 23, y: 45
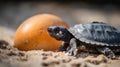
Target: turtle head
x: 58, y: 32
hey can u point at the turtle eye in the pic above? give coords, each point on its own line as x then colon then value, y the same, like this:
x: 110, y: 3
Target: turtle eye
x: 57, y: 29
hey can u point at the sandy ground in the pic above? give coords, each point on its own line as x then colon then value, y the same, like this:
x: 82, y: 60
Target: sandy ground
x: 11, y: 57
x: 12, y: 15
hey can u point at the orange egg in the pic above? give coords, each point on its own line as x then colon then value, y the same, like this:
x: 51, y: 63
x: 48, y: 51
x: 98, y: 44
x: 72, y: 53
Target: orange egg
x: 32, y: 34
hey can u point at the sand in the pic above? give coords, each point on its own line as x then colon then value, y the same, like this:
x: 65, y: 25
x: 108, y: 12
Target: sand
x: 12, y: 57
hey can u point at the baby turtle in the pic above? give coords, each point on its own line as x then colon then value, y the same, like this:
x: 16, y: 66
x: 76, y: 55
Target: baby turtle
x: 91, y: 37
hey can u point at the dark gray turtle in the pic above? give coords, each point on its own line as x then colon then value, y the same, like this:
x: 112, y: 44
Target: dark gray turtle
x: 92, y: 37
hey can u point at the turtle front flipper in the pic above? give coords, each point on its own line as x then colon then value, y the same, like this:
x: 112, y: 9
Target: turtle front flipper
x: 108, y: 52
x: 73, y: 47
x: 63, y: 47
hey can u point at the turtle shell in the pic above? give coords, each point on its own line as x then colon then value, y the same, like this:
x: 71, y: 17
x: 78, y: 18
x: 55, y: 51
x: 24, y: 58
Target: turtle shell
x: 96, y: 33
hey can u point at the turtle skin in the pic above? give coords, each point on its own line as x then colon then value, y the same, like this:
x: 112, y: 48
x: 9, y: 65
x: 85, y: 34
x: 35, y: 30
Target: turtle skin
x: 95, y: 36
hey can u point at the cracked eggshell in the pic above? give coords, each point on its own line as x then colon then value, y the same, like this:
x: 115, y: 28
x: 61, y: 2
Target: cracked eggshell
x: 32, y: 34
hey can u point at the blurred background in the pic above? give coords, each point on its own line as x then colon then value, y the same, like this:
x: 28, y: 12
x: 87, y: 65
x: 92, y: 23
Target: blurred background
x: 13, y: 13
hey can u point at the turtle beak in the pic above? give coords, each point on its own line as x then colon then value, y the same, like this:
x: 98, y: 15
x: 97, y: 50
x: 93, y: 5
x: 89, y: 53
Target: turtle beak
x: 50, y: 29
